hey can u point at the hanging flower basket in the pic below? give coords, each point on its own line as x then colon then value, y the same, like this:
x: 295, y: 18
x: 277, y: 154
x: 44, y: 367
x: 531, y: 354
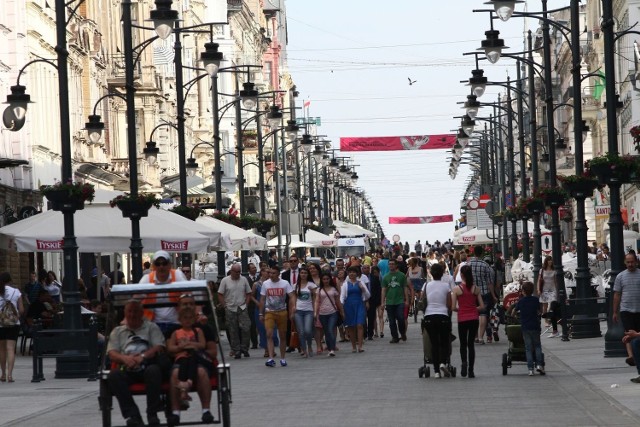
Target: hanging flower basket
x: 613, y: 168
x: 532, y: 205
x: 135, y: 206
x: 579, y: 186
x: 552, y: 196
x: 191, y: 212
x: 69, y: 196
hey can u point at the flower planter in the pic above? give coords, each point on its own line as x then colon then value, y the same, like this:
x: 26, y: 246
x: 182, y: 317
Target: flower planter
x: 133, y: 208
x: 535, y: 207
x: 524, y: 216
x: 607, y: 175
x: 63, y: 201
x: 580, y: 189
x: 554, y: 200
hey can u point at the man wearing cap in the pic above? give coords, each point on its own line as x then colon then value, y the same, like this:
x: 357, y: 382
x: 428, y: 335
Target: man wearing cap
x: 161, y: 274
x: 134, y: 347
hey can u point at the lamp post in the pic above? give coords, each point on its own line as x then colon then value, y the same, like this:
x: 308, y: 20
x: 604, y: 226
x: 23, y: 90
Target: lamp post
x: 613, y: 337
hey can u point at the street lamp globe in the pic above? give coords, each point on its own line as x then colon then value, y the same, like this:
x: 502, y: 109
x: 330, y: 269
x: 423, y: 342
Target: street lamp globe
x: 467, y: 124
x: 492, y: 46
x: 249, y: 96
x: 477, y: 82
x: 354, y: 178
x: 211, y: 58
x: 94, y: 128
x: 544, y: 162
x: 471, y: 106
x: 504, y: 8
x: 561, y: 147
x: 163, y: 18
x: 306, y: 143
x: 151, y: 152
x: 463, y: 138
x: 18, y: 101
x: 318, y: 154
x: 274, y: 116
x: 291, y: 130
x: 191, y: 166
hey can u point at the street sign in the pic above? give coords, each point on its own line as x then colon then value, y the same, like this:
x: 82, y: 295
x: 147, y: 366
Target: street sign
x: 603, y: 211
x: 473, y: 204
x: 483, y: 200
x: 545, y: 240
x: 396, y: 238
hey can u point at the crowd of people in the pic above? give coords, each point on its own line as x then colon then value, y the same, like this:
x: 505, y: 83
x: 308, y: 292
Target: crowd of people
x: 310, y: 307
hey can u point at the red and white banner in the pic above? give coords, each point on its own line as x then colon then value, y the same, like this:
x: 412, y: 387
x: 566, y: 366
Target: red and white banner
x: 392, y: 143
x: 420, y: 219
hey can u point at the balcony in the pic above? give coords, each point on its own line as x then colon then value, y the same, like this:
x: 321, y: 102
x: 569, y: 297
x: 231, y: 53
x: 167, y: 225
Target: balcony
x: 234, y: 5
x: 116, y: 71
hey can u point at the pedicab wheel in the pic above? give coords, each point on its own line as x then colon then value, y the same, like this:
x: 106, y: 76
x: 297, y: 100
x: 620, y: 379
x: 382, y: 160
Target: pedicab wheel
x: 421, y: 372
x: 105, y: 401
x: 505, y: 363
x: 225, y: 401
x: 453, y: 371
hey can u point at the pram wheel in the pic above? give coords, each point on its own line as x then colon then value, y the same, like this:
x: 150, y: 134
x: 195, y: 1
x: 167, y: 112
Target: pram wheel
x: 421, y: 372
x: 453, y: 371
x: 505, y: 363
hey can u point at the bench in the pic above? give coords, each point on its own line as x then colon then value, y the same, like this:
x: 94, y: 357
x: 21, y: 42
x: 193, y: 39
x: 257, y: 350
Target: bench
x: 65, y: 344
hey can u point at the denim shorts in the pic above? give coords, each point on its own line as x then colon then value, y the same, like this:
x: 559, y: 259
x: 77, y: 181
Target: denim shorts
x: 488, y: 304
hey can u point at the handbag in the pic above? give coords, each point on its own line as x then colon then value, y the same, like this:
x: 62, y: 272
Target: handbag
x: 340, y: 319
x: 294, y: 340
x: 8, y: 315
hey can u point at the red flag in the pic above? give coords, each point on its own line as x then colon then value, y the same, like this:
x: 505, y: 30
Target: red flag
x: 390, y: 143
x: 307, y: 103
x: 420, y: 219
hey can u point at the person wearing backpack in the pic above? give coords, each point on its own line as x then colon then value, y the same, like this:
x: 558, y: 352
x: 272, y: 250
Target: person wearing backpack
x: 11, y: 309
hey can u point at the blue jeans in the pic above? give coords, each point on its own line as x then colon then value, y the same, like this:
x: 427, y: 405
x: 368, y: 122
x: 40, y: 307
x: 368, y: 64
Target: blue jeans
x: 395, y: 313
x: 329, y: 322
x: 635, y: 349
x: 304, y: 325
x: 532, y: 343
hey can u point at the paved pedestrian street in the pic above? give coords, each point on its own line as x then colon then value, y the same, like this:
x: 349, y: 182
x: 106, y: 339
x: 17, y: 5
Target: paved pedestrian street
x: 379, y: 387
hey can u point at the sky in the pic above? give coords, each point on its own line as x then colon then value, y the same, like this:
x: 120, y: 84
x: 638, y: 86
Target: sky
x: 352, y: 59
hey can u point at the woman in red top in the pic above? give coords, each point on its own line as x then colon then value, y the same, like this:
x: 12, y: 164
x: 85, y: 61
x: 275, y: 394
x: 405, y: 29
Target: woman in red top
x: 467, y: 301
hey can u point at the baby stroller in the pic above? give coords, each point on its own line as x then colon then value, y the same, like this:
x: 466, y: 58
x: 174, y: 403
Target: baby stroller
x: 425, y: 369
x: 516, y: 351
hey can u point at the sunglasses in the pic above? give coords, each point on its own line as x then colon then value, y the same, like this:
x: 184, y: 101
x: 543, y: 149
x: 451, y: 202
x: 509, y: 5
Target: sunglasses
x: 161, y: 263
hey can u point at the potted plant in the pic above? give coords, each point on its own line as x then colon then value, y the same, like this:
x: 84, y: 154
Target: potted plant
x: 635, y: 134
x: 565, y: 214
x: 229, y: 219
x: 613, y: 167
x: 531, y: 205
x: 513, y: 213
x: 135, y: 206
x: 191, y: 212
x: 68, y: 196
x: 552, y: 196
x: 264, y: 225
x: 579, y: 186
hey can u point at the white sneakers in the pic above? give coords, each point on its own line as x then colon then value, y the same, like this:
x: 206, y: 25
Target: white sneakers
x: 436, y: 375
x: 530, y: 372
x: 540, y: 369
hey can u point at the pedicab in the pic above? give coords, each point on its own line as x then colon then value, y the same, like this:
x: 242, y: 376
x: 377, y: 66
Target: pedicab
x: 154, y: 296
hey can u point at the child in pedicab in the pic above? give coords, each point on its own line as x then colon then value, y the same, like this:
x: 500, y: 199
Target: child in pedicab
x: 184, y: 344
x: 528, y: 308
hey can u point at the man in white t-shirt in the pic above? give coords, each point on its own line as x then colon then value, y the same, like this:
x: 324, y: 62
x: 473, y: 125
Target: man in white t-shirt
x: 165, y: 317
x: 234, y: 294
x: 274, y: 311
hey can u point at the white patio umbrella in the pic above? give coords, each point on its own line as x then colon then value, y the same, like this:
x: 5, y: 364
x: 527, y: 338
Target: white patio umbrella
x: 100, y: 228
x: 313, y: 239
x: 476, y: 236
x: 346, y: 229
x: 239, y: 238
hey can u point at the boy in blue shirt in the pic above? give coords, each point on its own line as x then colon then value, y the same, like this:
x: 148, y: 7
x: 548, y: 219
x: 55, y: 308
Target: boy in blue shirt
x: 529, y: 308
